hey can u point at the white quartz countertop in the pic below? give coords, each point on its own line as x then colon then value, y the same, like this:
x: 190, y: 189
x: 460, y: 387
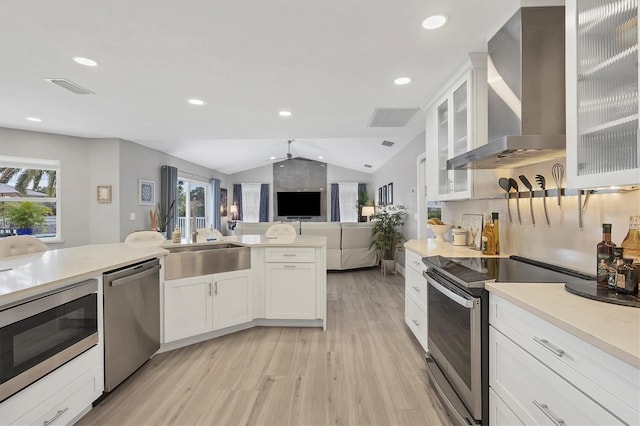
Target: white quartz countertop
x: 613, y: 328
x: 28, y: 275
x: 431, y: 247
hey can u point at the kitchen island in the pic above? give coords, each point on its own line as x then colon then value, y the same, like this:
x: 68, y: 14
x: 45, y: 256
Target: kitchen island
x: 284, y: 285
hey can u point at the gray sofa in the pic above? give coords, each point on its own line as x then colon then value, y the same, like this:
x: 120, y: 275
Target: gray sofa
x: 347, y: 243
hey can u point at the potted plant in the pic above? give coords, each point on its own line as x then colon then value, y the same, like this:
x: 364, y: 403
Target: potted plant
x: 385, y: 235
x: 25, y: 215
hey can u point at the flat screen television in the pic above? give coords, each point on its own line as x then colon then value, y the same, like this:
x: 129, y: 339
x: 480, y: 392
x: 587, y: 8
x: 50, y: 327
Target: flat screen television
x: 298, y: 203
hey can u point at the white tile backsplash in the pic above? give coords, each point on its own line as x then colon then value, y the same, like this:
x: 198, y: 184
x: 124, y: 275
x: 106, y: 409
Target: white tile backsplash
x: 563, y: 243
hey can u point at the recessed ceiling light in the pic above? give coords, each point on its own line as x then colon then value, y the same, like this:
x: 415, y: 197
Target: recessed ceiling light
x: 402, y: 81
x: 284, y: 113
x: 197, y: 102
x: 36, y: 119
x: 85, y: 61
x: 272, y: 158
x: 320, y: 157
x: 435, y: 21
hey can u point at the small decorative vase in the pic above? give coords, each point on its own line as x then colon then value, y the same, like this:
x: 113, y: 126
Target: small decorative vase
x: 24, y: 231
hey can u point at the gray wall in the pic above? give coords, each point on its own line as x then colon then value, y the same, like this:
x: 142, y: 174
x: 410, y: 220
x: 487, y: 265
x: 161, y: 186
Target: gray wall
x: 75, y: 189
x: 86, y: 163
x: 401, y: 170
x: 140, y: 162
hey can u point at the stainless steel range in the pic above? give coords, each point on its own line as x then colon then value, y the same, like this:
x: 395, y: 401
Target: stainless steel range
x: 458, y: 325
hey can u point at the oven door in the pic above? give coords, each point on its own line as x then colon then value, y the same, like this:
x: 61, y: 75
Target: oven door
x: 454, y: 340
x: 39, y: 336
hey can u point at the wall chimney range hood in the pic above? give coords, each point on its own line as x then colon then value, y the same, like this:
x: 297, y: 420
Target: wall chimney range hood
x: 526, y: 102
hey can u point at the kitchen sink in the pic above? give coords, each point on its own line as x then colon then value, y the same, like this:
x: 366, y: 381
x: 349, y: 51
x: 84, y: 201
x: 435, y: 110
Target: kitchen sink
x: 205, y: 259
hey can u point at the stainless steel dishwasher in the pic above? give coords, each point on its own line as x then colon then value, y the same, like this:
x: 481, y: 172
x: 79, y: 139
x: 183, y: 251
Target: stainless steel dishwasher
x: 131, y: 319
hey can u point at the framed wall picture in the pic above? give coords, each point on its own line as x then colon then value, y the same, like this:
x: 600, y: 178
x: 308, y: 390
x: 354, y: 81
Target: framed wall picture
x: 103, y: 193
x: 390, y: 193
x: 223, y: 202
x: 146, y: 192
x: 380, y: 196
x: 384, y: 195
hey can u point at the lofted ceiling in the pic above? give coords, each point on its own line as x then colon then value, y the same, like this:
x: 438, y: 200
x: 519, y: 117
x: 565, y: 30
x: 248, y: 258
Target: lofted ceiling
x: 329, y: 62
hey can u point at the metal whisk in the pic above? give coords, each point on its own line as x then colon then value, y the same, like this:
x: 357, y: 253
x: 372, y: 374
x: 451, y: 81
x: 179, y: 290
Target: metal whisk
x: 557, y: 171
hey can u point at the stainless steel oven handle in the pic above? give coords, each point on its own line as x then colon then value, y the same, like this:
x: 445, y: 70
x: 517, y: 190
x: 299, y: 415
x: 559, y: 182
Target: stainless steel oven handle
x: 135, y: 277
x: 467, y: 303
x: 547, y: 412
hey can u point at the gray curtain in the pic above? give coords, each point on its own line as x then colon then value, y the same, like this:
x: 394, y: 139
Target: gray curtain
x: 169, y: 194
x: 264, y: 202
x: 362, y: 187
x: 335, y: 203
x: 215, y: 197
x: 237, y: 198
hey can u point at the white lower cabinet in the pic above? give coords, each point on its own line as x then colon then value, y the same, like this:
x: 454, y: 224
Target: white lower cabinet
x: 415, y: 297
x: 187, y: 307
x: 416, y: 319
x: 290, y: 290
x: 197, y: 305
x: 232, y: 299
x: 61, y: 396
x: 500, y: 413
x: 535, y: 393
x: 545, y: 375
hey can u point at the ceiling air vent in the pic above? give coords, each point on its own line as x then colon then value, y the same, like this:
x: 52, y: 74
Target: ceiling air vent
x: 391, y: 117
x: 387, y: 143
x: 70, y: 86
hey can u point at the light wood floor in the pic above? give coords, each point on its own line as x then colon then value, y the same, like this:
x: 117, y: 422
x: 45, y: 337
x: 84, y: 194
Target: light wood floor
x: 366, y: 369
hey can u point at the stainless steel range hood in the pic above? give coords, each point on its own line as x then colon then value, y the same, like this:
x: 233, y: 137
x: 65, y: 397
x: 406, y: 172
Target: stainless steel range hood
x: 526, y: 107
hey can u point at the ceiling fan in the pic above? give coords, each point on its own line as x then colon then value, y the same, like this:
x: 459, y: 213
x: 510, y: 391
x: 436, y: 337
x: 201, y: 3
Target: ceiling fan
x: 289, y: 156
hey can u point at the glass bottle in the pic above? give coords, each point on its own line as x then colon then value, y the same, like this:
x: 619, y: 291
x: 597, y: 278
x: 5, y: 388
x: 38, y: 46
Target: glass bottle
x: 604, y: 255
x: 631, y: 242
x: 175, y: 236
x: 627, y: 282
x: 488, y: 242
x: 613, y: 269
x: 496, y: 232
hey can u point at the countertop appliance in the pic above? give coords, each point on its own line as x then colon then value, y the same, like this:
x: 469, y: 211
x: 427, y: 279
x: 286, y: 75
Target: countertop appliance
x: 458, y: 324
x: 40, y: 334
x: 131, y: 319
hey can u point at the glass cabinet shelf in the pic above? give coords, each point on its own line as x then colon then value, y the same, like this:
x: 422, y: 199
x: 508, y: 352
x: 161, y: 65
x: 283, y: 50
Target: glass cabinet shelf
x: 605, y: 38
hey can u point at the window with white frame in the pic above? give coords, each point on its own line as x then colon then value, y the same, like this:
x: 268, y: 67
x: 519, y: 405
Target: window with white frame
x: 29, y: 197
x: 194, y: 205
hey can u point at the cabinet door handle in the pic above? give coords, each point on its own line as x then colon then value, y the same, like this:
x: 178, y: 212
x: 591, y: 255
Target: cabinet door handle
x: 215, y: 288
x: 548, y: 346
x: 209, y: 289
x: 289, y: 266
x: 416, y: 322
x: 415, y: 262
x: 289, y: 255
x: 54, y: 418
x: 547, y: 412
x: 416, y: 288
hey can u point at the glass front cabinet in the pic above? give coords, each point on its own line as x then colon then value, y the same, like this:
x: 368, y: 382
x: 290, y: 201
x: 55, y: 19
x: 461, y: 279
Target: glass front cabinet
x: 456, y: 123
x: 602, y: 93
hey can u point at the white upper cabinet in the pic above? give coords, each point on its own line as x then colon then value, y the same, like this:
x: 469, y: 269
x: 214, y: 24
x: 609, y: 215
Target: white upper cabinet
x: 455, y: 123
x: 602, y: 93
